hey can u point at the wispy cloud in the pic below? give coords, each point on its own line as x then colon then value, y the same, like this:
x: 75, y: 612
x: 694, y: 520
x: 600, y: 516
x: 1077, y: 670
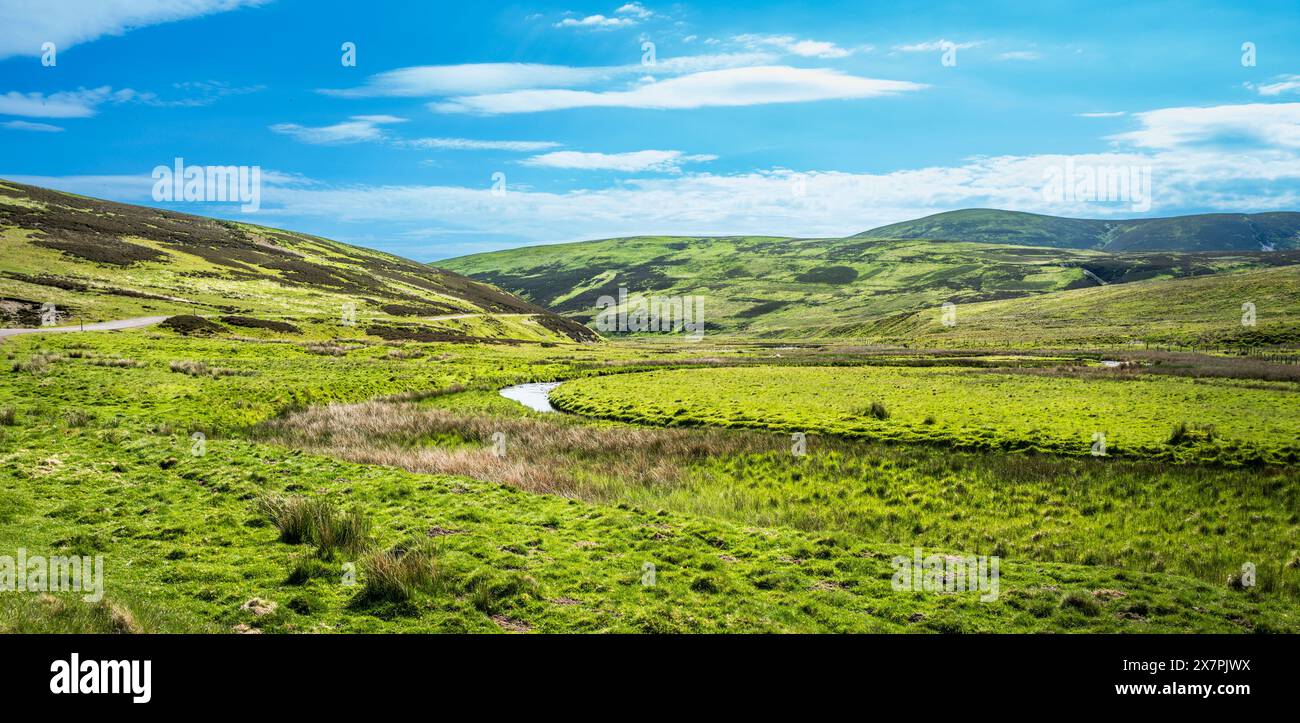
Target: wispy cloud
x: 206, y: 92
x: 85, y: 102
x: 1101, y: 114
x: 29, y: 23
x: 1020, y: 55
x: 1269, y: 124
x: 354, y: 130
x: 1283, y: 84
x: 431, y: 81
x: 794, y: 46
x: 470, y: 144
x: 439, y: 80
x: 934, y: 46
x: 18, y: 125
x: 730, y: 87
x: 631, y: 162
x: 80, y: 103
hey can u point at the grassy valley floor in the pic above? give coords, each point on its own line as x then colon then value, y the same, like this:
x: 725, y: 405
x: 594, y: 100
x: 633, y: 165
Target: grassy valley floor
x: 385, y: 486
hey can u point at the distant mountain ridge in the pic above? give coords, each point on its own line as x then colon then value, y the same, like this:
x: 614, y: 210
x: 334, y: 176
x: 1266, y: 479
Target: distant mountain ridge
x: 1203, y: 232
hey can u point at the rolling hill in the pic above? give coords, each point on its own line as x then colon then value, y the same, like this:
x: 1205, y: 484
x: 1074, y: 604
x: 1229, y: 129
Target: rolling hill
x: 97, y: 260
x: 786, y: 288
x: 1205, y: 311
x: 1205, y: 232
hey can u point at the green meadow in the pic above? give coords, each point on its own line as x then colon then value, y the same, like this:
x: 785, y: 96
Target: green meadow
x: 1146, y: 416
x: 418, y: 526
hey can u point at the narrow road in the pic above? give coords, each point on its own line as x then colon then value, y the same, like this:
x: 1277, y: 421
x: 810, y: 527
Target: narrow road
x: 101, y: 326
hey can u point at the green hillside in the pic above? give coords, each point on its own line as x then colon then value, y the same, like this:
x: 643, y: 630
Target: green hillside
x: 96, y: 260
x: 783, y: 287
x: 1204, y: 232
x: 1204, y: 311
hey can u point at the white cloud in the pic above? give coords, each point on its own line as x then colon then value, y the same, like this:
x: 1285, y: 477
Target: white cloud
x: 1284, y: 84
x: 636, y: 10
x: 1102, y: 114
x: 437, y: 80
x: 834, y: 203
x: 933, y: 46
x: 1020, y: 55
x: 762, y: 202
x: 729, y: 87
x: 429, y: 81
x: 1272, y: 124
x: 632, y: 162
x: 470, y: 144
x: 624, y: 17
x: 29, y: 23
x: 357, y: 128
x: 599, y: 22
x: 699, y: 63
x: 80, y: 103
x: 792, y: 45
x: 26, y: 126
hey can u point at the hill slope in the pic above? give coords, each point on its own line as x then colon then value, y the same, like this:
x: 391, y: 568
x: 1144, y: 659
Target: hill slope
x: 781, y: 287
x: 1205, y: 232
x: 98, y: 260
x: 1205, y: 311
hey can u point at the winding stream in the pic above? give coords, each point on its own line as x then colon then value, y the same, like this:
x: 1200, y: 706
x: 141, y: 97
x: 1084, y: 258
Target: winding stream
x: 536, y: 395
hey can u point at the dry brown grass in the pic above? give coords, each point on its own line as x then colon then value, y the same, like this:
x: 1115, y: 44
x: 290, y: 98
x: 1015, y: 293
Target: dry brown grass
x: 540, y: 455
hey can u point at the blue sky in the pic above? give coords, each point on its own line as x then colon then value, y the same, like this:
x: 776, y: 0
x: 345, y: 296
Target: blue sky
x: 817, y: 119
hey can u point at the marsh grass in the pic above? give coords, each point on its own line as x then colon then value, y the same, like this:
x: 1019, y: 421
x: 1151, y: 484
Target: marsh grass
x: 1140, y: 515
x: 389, y: 434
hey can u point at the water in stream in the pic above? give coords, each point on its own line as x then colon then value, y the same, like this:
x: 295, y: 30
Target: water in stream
x: 536, y: 395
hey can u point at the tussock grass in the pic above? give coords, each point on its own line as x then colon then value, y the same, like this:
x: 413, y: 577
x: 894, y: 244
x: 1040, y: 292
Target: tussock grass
x: 8, y: 416
x: 202, y: 369
x: 399, y: 574
x: 327, y: 349
x: 37, y: 363
x: 317, y: 521
x: 68, y: 614
x: 119, y: 363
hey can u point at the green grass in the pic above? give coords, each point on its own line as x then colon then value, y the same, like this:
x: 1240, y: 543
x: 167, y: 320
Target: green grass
x: 1252, y: 422
x: 187, y: 543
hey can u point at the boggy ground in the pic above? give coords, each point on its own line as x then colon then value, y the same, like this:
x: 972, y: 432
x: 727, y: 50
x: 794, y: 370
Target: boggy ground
x: 397, y: 515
